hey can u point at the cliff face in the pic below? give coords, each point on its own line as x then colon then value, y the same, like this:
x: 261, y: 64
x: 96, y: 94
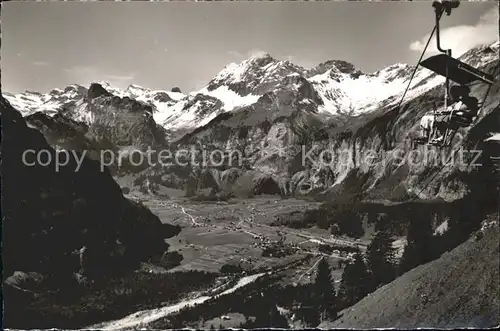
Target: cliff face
x: 49, y: 213
x: 124, y: 122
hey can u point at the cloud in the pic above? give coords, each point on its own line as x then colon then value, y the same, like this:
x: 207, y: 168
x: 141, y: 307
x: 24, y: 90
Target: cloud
x: 256, y: 52
x: 247, y: 54
x: 235, y: 54
x: 461, y: 38
x: 40, y: 63
x: 240, y: 56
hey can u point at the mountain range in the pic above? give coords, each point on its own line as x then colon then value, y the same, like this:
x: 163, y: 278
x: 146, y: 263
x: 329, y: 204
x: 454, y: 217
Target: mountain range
x: 267, y: 108
x: 331, y: 88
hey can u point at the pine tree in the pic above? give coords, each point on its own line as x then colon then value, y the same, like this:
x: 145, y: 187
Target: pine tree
x: 419, y: 247
x: 355, y: 282
x: 308, y: 311
x: 372, y: 217
x: 324, y: 291
x: 350, y: 223
x: 380, y: 259
x: 334, y: 230
x: 382, y: 222
x: 468, y: 218
x: 190, y: 186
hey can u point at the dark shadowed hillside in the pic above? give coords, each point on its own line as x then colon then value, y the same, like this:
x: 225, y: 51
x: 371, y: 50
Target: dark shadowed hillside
x: 460, y: 289
x: 49, y: 215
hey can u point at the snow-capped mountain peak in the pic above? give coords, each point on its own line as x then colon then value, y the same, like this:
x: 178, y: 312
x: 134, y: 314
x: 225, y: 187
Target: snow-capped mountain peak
x: 30, y: 102
x: 235, y: 73
x: 260, y: 59
x: 334, y: 66
x: 136, y: 90
x: 256, y: 75
x: 112, y: 89
x: 394, y: 71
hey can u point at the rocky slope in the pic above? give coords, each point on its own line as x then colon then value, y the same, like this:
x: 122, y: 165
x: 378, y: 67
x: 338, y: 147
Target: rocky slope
x: 460, y: 289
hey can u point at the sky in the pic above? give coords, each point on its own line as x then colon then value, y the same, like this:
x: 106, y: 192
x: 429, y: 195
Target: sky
x: 160, y: 45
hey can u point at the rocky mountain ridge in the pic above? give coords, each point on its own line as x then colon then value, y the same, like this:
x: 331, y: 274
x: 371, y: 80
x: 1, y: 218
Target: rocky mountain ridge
x: 270, y: 110
x: 280, y: 132
x: 340, y: 87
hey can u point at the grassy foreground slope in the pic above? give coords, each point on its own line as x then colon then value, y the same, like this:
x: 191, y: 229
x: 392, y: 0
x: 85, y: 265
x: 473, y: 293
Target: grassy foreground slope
x: 460, y: 289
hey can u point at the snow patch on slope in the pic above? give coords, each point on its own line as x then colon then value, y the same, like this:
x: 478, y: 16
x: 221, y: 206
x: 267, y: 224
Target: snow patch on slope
x: 186, y: 114
x: 81, y: 114
x: 230, y: 98
x: 232, y: 72
x: 143, y: 94
x: 50, y: 103
x: 356, y: 94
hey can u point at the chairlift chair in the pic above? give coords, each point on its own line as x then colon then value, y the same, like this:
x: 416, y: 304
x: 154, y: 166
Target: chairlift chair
x: 453, y: 70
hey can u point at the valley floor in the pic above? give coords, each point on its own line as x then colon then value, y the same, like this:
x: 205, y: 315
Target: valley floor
x: 237, y: 232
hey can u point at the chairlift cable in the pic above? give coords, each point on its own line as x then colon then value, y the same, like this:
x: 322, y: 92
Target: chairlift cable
x: 488, y: 91
x: 418, y: 63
